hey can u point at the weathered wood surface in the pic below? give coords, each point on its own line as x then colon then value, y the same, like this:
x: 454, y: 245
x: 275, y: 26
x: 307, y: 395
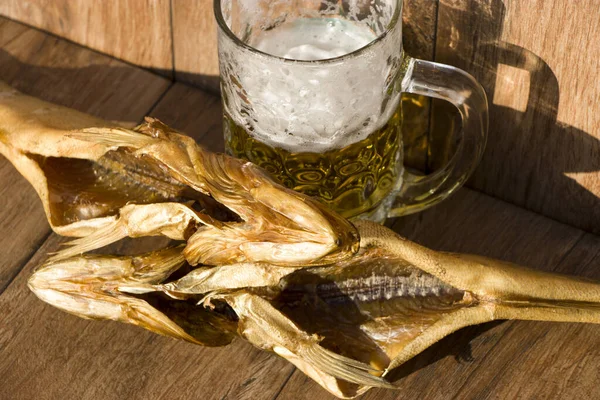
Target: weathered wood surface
x: 538, y: 60
x: 195, y: 43
x: 137, y: 31
x: 64, y: 73
x: 9, y: 30
x: 195, y: 112
x: 419, y: 19
x: 48, y: 354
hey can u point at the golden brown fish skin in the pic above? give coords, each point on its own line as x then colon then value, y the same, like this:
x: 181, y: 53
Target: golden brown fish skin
x: 365, y: 308
x: 281, y: 216
x: 278, y: 225
x: 283, y: 271
x: 248, y: 216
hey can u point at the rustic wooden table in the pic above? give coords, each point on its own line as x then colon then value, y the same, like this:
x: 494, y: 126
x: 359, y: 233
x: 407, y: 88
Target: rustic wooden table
x: 48, y: 354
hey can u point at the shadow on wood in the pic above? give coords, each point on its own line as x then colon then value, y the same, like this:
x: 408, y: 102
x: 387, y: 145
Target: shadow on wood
x: 532, y: 159
x: 457, y: 345
x: 62, y: 84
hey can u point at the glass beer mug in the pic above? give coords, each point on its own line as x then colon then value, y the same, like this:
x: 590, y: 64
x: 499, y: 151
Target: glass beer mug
x: 311, y: 92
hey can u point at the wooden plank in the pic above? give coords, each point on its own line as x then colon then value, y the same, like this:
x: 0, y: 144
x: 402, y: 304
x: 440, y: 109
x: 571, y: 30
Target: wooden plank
x: 9, y: 30
x: 471, y: 222
x: 47, y: 351
x: 419, y: 24
x: 195, y: 43
x: 195, y: 112
x: 137, y: 31
x: 537, y: 60
x: 55, y: 70
x: 49, y: 354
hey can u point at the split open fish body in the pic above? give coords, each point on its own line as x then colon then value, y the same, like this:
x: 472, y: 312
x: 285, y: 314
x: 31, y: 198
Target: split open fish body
x: 366, y: 308
x: 345, y: 302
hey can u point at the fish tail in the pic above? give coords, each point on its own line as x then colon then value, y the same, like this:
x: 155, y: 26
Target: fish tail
x: 529, y: 294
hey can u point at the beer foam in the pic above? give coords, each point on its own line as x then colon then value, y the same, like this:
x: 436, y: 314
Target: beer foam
x: 300, y: 106
x: 311, y: 39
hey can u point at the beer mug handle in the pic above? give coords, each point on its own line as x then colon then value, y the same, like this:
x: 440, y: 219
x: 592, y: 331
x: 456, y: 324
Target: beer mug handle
x: 461, y: 89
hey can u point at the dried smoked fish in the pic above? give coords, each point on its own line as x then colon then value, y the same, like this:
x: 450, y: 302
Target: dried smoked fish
x: 345, y: 303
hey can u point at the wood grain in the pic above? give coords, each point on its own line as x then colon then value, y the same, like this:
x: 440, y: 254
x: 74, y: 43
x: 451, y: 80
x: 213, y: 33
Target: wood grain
x: 419, y: 20
x: 137, y: 31
x: 471, y: 222
x: 61, y: 72
x: 195, y: 112
x: 543, y: 151
x: 195, y: 43
x: 9, y: 30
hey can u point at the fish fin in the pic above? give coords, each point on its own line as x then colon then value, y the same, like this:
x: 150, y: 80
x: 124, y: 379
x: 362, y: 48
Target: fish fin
x: 141, y: 313
x: 344, y: 368
x: 138, y: 288
x: 154, y: 267
x: 136, y: 220
x: 266, y: 327
x: 111, y: 233
x: 119, y: 137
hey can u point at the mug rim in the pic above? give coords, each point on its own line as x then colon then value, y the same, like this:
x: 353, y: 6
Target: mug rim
x: 232, y: 36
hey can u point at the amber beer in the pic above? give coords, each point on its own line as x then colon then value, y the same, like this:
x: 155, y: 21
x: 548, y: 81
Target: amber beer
x: 353, y: 180
x: 337, y: 142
